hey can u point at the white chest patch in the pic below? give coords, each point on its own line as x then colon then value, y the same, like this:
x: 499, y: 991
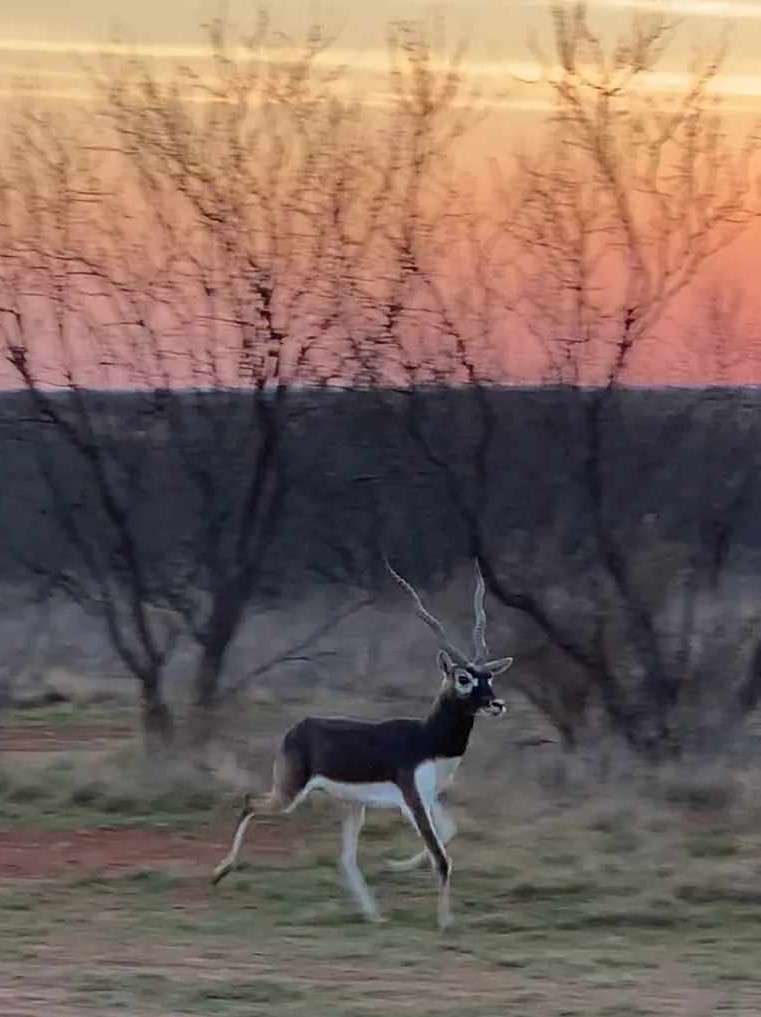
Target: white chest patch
x: 434, y: 776
x: 445, y: 771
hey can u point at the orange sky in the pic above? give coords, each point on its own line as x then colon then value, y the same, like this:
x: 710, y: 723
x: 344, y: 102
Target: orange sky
x: 42, y: 39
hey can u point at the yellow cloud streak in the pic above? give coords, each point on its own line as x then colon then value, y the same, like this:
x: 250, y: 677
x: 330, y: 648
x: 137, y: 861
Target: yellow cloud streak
x: 695, y: 8
x: 372, y: 63
x: 733, y: 9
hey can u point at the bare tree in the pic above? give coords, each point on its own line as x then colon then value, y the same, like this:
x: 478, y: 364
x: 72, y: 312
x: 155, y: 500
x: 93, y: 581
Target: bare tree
x: 227, y: 295
x: 276, y: 259
x: 298, y: 242
x: 54, y: 344
x: 628, y: 199
x: 714, y: 591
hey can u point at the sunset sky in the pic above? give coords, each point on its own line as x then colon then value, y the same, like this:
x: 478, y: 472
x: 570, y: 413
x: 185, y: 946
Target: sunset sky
x: 41, y: 41
x: 40, y: 36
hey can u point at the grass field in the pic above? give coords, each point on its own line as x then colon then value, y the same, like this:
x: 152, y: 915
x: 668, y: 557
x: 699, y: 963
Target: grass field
x: 637, y: 898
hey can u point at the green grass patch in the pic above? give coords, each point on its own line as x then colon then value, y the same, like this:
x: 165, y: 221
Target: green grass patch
x: 712, y: 844
x: 529, y: 890
x: 259, y: 990
x: 67, y: 715
x: 162, y: 992
x: 121, y: 790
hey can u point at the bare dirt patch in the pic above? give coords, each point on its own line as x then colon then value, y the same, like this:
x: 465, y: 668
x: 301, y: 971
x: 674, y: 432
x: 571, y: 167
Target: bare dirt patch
x: 46, y: 854
x: 54, y: 738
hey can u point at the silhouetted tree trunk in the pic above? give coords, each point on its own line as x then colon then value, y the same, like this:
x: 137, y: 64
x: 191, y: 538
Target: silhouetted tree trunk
x: 157, y: 721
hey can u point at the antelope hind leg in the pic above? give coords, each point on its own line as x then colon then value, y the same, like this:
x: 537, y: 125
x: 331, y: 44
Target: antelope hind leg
x: 289, y: 788
x: 352, y: 824
x: 228, y: 862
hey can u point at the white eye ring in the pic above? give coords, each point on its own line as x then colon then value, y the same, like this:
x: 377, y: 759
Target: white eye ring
x: 464, y: 681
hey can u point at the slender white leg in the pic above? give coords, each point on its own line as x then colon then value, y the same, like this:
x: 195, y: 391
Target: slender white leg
x: 352, y: 824
x: 443, y: 822
x: 271, y: 803
x: 442, y: 866
x: 228, y: 862
x: 445, y: 828
x: 445, y: 916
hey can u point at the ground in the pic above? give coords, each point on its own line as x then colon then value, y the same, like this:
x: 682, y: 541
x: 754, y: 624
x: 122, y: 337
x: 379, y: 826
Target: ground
x: 568, y: 903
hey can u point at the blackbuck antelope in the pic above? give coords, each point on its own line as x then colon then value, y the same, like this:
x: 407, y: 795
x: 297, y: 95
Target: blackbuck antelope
x: 403, y: 764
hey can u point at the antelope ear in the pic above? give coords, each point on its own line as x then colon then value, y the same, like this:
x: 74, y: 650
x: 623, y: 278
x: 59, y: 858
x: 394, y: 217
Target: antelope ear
x: 445, y: 662
x: 495, y: 667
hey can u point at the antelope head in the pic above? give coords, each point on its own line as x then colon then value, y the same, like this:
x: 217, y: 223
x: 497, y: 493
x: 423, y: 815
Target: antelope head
x: 469, y: 678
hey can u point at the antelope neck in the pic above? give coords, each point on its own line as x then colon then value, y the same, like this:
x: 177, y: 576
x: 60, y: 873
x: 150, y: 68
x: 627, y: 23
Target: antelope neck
x: 448, y: 726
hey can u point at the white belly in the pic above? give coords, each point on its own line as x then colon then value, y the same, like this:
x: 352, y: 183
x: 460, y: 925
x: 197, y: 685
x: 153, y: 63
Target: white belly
x: 431, y: 778
x: 381, y: 795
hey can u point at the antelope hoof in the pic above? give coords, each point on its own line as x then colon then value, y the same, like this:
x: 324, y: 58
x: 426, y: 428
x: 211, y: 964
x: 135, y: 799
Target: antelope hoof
x: 220, y: 872
x: 446, y: 920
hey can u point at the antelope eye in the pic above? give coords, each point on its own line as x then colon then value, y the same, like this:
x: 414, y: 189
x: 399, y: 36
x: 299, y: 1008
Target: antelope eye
x: 464, y: 681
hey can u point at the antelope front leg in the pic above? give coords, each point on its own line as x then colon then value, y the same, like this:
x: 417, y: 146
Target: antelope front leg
x: 433, y: 845
x: 445, y: 828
